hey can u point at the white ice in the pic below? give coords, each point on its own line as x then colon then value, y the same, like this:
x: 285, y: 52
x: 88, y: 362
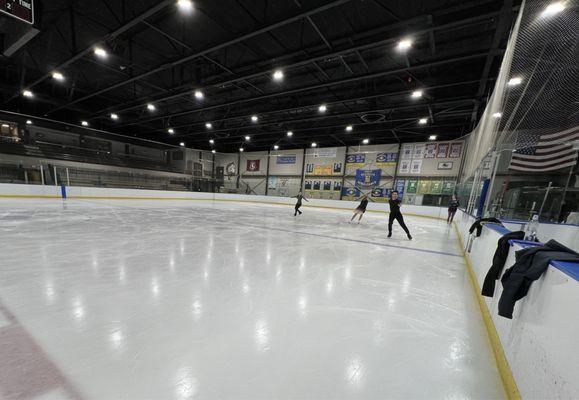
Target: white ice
x: 182, y: 300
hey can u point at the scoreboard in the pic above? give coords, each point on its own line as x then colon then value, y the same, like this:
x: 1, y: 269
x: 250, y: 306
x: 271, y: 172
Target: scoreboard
x: 21, y: 9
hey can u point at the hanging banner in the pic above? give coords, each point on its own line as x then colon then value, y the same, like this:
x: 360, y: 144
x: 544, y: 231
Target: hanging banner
x: 323, y: 170
x: 445, y: 165
x: 386, y: 159
x: 412, y: 186
x: 272, y: 183
x: 418, y: 151
x: 367, y: 178
x: 430, y: 151
x: 356, y: 158
x: 423, y: 187
x: 400, y: 183
x: 327, y: 185
x: 308, y: 185
x: 253, y: 165
x: 442, y: 150
x: 329, y: 152
x: 337, y: 168
x: 286, y: 159
x: 337, y: 186
x: 407, y: 151
x: 309, y: 168
x: 416, y: 167
x: 404, y: 167
x: 378, y: 192
x: 455, y: 150
x: 436, y: 187
x: 448, y: 187
x: 316, y: 185
x: 350, y: 192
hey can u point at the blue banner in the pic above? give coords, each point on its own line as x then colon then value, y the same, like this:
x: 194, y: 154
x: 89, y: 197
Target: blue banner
x: 400, y: 183
x: 356, y: 158
x: 350, y: 192
x: 291, y: 159
x: 368, y: 177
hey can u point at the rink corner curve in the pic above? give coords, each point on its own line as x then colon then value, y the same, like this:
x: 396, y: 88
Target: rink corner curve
x: 509, y: 383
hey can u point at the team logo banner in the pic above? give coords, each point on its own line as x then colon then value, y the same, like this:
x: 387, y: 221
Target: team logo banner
x: 356, y: 158
x: 386, y: 159
x: 289, y: 159
x: 368, y: 177
x: 350, y: 192
x: 252, y: 165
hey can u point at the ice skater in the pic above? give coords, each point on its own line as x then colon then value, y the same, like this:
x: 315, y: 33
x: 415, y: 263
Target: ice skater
x: 361, y: 209
x: 452, y: 207
x: 395, y: 214
x: 300, y: 197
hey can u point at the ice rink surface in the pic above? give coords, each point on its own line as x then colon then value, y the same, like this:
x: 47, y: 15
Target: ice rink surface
x: 181, y: 300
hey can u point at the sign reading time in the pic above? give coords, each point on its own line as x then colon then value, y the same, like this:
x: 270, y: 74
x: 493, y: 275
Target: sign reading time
x: 21, y: 9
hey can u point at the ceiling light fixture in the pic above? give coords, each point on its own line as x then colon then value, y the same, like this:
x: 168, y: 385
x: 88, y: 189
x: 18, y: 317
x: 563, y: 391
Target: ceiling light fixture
x: 100, y: 52
x: 278, y: 75
x: 151, y: 107
x: 185, y: 6
x: 365, y: 141
x: 416, y: 94
x: 404, y: 44
x: 213, y: 151
x: 423, y: 121
x: 57, y: 76
x: 247, y: 138
x: 254, y: 118
x: 211, y: 141
x: 323, y: 108
x: 114, y: 116
x: 497, y: 115
x: 84, y: 123
x: 349, y: 128
x: 289, y: 133
x: 28, y: 122
x: 182, y: 144
x: 208, y: 125
x: 241, y: 149
x: 171, y: 131
x: 515, y: 81
x: 27, y: 93
x: 199, y: 95
x: 432, y: 137
x: 314, y: 144
x: 553, y: 8
x: 276, y: 147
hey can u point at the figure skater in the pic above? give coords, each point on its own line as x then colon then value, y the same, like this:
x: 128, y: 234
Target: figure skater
x: 395, y: 214
x: 299, y: 203
x: 361, y: 209
x: 452, y: 207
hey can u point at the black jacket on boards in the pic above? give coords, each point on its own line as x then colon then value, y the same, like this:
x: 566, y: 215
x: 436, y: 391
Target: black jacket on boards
x: 499, y: 260
x: 529, y: 266
x: 480, y: 222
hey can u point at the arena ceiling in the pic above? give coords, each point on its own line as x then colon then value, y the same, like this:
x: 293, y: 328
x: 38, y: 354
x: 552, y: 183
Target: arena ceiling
x: 178, y: 66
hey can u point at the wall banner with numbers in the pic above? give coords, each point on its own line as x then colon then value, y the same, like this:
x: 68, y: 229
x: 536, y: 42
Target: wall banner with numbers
x: 442, y: 150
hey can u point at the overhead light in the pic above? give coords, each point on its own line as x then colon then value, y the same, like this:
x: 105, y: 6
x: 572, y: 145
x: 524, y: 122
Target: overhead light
x: 241, y: 149
x: 289, y: 134
x: 208, y: 125
x: 423, y: 121
x: 404, y: 44
x: 349, y: 128
x: 199, y: 95
x: 151, y: 107
x: 100, y: 52
x: 323, y: 108
x: 211, y: 141
x: 553, y: 8
x: 185, y: 5
x: 28, y: 122
x: 247, y: 138
x: 27, y: 93
x: 84, y: 123
x: 497, y: 115
x: 57, y: 76
x: 514, y: 81
x: 314, y: 144
x: 278, y: 75
x: 114, y: 116
x: 171, y: 131
x: 254, y: 118
x: 416, y: 94
x: 432, y: 137
x: 276, y: 147
x: 213, y: 151
x: 365, y: 141
x: 182, y: 144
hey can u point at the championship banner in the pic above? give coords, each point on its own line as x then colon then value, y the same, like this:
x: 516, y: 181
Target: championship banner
x: 316, y: 185
x: 423, y: 187
x: 287, y: 159
x: 337, y: 186
x: 386, y: 159
x: 412, y: 186
x: 448, y: 187
x: 404, y: 167
x: 436, y: 187
x: 21, y: 9
x: 407, y: 151
x: 416, y: 167
x: 356, y: 159
x: 430, y: 151
x: 327, y: 185
x: 418, y: 151
x: 253, y: 165
x: 323, y: 170
x: 308, y: 185
x: 367, y: 178
x: 455, y: 150
x: 442, y: 150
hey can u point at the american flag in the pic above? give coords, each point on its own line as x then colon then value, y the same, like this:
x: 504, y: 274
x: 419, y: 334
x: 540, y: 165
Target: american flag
x: 547, y: 152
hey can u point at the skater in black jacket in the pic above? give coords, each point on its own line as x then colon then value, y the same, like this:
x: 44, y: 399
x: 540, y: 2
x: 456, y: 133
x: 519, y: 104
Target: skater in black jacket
x: 395, y: 214
x: 300, y: 197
